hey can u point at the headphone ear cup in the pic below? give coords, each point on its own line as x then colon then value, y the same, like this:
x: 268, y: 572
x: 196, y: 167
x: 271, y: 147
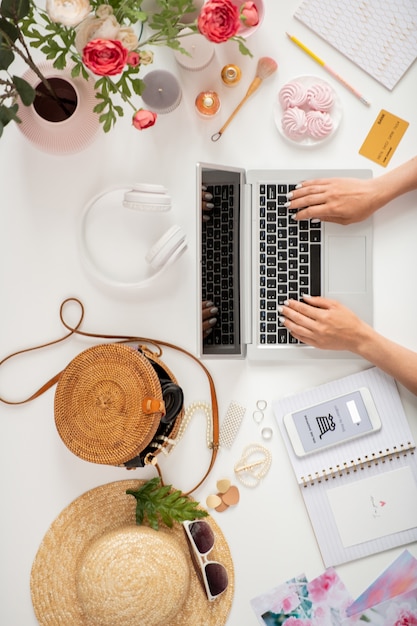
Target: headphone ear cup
x: 167, y: 248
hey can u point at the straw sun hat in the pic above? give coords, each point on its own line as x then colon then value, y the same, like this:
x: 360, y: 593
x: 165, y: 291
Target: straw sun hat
x: 96, y: 567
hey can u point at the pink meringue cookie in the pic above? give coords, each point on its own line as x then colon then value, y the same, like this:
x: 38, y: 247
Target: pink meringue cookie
x: 319, y: 124
x: 320, y: 97
x: 292, y: 94
x: 294, y: 123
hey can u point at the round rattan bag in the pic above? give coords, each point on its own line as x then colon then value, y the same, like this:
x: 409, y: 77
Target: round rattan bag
x: 112, y: 403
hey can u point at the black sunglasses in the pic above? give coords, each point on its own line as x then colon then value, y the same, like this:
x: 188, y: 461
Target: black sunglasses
x: 212, y: 574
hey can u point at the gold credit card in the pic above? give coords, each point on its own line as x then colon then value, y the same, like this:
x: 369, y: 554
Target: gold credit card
x: 383, y: 138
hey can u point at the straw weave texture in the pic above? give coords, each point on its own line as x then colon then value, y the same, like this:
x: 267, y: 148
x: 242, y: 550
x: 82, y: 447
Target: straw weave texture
x: 77, y: 538
x: 98, y: 404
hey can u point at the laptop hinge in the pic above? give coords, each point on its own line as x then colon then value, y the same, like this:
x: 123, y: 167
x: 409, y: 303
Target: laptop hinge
x: 246, y: 265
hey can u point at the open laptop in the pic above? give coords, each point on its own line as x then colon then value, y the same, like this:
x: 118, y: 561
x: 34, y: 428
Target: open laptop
x: 252, y: 256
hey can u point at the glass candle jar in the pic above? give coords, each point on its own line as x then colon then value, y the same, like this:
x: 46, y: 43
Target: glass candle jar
x: 207, y: 103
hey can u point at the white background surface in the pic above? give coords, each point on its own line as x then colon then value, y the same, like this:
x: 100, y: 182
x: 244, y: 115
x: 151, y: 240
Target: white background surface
x: 42, y: 198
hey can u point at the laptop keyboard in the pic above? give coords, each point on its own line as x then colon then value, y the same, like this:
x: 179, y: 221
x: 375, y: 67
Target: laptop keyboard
x: 289, y: 260
x: 220, y: 267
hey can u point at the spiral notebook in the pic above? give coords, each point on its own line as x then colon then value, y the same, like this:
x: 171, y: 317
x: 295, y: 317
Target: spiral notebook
x: 380, y: 37
x: 361, y: 495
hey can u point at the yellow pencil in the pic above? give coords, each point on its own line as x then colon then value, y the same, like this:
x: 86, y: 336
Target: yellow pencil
x: 329, y: 69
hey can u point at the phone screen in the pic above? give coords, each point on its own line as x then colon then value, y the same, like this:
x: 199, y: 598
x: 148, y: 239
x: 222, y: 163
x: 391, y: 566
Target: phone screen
x: 332, y: 421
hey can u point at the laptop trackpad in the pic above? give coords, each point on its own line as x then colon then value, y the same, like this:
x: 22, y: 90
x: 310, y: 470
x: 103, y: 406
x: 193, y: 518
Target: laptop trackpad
x: 346, y: 264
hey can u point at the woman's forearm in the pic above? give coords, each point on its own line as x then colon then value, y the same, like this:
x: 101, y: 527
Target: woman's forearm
x: 395, y: 183
x: 395, y: 360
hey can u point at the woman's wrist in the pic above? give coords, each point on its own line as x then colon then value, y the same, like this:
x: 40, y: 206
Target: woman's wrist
x: 365, y: 340
x: 380, y: 192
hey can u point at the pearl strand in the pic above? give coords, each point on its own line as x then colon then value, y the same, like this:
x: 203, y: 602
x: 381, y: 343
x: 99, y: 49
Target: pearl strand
x: 188, y: 414
x: 253, y: 465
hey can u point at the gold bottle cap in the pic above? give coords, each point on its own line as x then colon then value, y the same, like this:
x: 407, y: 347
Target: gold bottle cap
x: 231, y: 74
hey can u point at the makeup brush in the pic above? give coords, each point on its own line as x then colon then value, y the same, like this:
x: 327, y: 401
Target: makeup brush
x: 266, y: 66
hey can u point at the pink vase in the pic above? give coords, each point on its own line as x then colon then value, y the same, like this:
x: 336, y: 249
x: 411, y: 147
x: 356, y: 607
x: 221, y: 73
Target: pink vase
x: 55, y: 129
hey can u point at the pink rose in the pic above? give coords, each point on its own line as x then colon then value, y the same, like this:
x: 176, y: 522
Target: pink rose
x: 320, y: 588
x: 144, y: 119
x: 218, y: 20
x: 249, y: 14
x: 105, y: 57
x: 133, y: 59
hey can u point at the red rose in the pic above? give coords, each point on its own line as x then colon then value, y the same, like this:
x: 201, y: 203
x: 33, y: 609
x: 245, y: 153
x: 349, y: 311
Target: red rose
x: 218, y: 20
x: 144, y: 119
x: 105, y: 57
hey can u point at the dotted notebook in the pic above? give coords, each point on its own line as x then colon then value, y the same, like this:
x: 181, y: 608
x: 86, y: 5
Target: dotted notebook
x: 380, y: 36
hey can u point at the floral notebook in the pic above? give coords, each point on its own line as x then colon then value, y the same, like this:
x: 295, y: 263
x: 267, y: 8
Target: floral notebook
x: 298, y: 602
x: 391, y: 600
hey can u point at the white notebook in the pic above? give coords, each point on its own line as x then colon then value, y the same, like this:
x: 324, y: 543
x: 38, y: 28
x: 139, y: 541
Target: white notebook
x: 378, y: 36
x: 361, y: 495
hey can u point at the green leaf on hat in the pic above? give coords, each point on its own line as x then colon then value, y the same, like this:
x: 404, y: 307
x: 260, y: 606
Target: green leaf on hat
x: 163, y: 503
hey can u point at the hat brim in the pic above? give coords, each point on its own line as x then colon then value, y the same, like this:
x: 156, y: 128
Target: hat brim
x: 104, y: 508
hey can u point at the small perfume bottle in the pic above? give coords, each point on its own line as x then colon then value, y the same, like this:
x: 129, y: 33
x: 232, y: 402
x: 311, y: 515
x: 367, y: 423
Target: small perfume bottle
x: 207, y: 103
x: 231, y: 75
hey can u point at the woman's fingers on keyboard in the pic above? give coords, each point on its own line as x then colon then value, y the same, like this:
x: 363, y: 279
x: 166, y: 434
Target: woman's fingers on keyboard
x: 206, y: 200
x: 209, y: 319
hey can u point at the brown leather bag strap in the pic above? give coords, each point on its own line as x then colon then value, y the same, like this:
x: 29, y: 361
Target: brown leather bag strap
x: 75, y: 330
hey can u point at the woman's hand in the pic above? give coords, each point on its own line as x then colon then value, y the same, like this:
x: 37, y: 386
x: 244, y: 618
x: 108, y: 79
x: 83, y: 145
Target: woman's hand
x: 341, y: 200
x: 209, y: 312
x: 323, y: 323
x: 206, y: 203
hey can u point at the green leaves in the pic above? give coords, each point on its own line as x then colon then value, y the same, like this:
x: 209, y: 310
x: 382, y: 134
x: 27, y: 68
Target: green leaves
x: 24, y: 24
x: 7, y: 114
x: 15, y: 9
x: 6, y: 58
x: 108, y: 88
x: 164, y: 504
x: 25, y: 90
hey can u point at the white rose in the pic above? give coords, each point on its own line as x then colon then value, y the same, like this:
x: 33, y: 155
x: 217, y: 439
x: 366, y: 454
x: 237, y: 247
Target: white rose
x: 68, y: 12
x: 95, y: 28
x: 128, y: 38
x: 104, y: 10
x: 146, y: 57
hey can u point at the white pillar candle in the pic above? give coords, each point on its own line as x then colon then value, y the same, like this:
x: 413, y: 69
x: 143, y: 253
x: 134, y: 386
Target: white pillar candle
x: 200, y: 51
x: 162, y: 92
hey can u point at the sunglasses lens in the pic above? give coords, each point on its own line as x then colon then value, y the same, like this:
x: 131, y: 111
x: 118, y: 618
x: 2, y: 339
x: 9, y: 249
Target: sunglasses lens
x: 202, y: 535
x: 217, y: 579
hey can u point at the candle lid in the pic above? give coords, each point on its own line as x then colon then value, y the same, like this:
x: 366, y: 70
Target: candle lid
x: 162, y: 92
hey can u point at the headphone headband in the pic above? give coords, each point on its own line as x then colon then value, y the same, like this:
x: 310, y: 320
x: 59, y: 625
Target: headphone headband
x: 147, y: 197
x: 162, y: 253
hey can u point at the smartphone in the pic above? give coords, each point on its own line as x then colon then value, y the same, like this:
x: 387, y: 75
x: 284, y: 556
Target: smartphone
x: 332, y: 422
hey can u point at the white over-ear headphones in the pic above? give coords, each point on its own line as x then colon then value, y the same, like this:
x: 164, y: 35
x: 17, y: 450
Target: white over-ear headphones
x: 111, y: 240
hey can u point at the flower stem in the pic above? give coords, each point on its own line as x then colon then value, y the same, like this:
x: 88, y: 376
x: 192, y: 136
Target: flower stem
x: 28, y: 59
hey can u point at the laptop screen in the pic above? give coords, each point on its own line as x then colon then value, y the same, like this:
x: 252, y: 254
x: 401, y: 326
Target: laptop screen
x: 219, y: 242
